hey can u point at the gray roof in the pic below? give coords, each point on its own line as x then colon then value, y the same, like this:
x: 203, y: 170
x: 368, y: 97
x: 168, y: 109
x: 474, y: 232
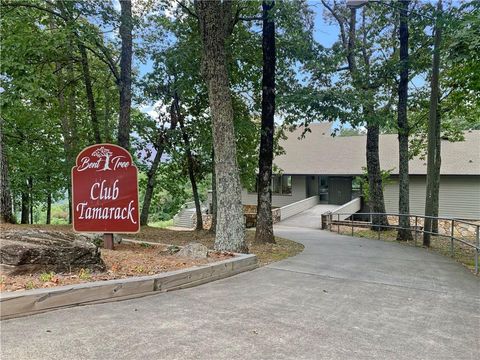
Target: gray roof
x: 320, y: 153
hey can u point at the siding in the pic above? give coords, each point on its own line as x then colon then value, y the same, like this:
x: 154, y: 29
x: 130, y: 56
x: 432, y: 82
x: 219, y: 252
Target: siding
x: 459, y: 196
x: 299, y: 192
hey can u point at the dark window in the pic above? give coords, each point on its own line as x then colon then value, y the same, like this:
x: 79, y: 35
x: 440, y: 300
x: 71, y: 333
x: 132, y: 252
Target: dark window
x: 286, y: 185
x: 281, y: 185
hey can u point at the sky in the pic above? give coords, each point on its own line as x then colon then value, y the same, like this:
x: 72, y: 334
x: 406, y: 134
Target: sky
x: 324, y: 33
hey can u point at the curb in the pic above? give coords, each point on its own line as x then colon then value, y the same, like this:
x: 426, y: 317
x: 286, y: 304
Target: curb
x: 17, y: 304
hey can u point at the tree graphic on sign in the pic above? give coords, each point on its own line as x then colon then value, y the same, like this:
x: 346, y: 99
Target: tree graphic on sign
x: 103, y: 153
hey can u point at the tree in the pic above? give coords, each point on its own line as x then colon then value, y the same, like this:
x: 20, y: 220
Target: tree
x: 433, y: 155
x: 367, y: 84
x: 159, y: 141
x: 404, y: 232
x: 6, y: 214
x: 125, y: 81
x: 176, y: 111
x: 216, y: 23
x: 264, y: 229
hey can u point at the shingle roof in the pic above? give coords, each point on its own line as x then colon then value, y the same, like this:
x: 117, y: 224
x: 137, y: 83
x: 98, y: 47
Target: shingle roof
x: 320, y: 153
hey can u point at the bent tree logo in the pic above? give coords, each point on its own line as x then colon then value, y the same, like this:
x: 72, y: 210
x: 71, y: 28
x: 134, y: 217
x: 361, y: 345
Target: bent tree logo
x: 105, y: 191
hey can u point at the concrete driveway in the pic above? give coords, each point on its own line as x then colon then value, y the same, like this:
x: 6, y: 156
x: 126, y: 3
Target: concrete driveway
x: 342, y: 298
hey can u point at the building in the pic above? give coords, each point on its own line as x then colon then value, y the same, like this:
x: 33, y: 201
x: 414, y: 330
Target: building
x: 322, y: 165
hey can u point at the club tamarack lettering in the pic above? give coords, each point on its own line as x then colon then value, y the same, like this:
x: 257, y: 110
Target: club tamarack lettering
x: 100, y: 191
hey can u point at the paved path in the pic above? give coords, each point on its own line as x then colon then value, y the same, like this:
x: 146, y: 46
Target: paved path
x: 311, y: 218
x: 342, y: 298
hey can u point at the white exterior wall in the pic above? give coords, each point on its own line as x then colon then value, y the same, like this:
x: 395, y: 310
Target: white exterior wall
x: 459, y: 196
x: 299, y: 192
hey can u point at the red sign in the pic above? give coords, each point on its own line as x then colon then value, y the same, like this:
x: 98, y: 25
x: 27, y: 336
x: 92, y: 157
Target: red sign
x: 105, y: 191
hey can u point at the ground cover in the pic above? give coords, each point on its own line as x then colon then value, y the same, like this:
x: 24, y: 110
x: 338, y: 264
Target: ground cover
x: 137, y: 259
x: 462, y: 253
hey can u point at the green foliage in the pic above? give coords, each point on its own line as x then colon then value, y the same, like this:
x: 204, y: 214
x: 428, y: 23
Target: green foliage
x: 46, y: 277
x: 84, y: 274
x: 362, y: 181
x: 161, y: 224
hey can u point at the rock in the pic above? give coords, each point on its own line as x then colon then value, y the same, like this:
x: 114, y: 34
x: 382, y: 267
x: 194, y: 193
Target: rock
x: 172, y: 249
x: 97, y: 239
x: 23, y: 251
x: 194, y: 251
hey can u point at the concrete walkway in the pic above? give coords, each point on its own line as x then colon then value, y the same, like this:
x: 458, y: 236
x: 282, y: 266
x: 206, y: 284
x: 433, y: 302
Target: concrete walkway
x: 311, y: 218
x: 342, y: 298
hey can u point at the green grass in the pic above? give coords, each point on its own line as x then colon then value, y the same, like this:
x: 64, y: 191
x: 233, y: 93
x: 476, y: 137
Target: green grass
x: 161, y: 224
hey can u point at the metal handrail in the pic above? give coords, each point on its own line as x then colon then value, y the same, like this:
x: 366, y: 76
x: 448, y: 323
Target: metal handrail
x: 330, y: 216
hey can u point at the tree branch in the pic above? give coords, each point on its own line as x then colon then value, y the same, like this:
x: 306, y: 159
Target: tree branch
x: 187, y: 9
x: 34, y: 6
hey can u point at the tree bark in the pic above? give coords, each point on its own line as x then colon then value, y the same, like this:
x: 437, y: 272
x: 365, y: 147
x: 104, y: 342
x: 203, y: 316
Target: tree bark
x: 25, y: 207
x: 403, y: 129
x: 438, y: 162
x: 126, y: 27
x: 90, y: 97
x: 216, y: 22
x: 6, y: 214
x: 30, y: 192
x: 213, y: 227
x: 433, y: 131
x: 49, y: 208
x: 376, y: 201
x: 190, y: 164
x: 264, y: 226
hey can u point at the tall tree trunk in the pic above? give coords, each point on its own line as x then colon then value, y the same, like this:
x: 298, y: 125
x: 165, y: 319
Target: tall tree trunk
x: 213, y: 227
x: 107, y: 111
x: 376, y: 201
x: 89, y: 91
x: 25, y: 207
x: 152, y: 172
x: 151, y: 176
x: 6, y: 214
x: 49, y: 208
x: 66, y: 128
x: 30, y: 192
x: 433, y: 130
x: 264, y: 227
x: 126, y: 27
x: 190, y: 163
x: 216, y: 22
x: 403, y: 129
x: 438, y: 163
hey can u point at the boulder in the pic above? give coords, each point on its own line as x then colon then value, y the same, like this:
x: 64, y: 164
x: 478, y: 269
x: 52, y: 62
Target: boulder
x: 23, y: 251
x: 194, y: 251
x: 97, y: 239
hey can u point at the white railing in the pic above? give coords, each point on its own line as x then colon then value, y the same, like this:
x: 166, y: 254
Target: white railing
x: 297, y: 207
x: 349, y: 208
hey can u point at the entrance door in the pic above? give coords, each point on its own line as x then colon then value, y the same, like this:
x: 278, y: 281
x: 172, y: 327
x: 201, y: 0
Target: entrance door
x: 339, y: 190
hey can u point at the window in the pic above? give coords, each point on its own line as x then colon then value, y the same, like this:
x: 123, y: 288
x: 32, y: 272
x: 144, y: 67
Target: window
x: 281, y: 185
x: 286, y: 185
x: 276, y: 184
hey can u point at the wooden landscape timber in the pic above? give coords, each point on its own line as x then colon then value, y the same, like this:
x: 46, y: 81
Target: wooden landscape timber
x: 22, y: 303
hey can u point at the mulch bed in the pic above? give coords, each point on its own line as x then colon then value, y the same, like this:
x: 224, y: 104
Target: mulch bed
x: 126, y: 260
x: 141, y: 259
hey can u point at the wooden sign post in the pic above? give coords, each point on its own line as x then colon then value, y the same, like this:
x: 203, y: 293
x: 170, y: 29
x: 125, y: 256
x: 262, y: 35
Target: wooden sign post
x: 105, y: 192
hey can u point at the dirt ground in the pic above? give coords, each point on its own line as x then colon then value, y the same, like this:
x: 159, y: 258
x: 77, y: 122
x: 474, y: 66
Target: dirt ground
x: 143, y: 259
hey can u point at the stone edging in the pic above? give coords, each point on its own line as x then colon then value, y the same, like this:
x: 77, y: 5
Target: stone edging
x: 16, y: 304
